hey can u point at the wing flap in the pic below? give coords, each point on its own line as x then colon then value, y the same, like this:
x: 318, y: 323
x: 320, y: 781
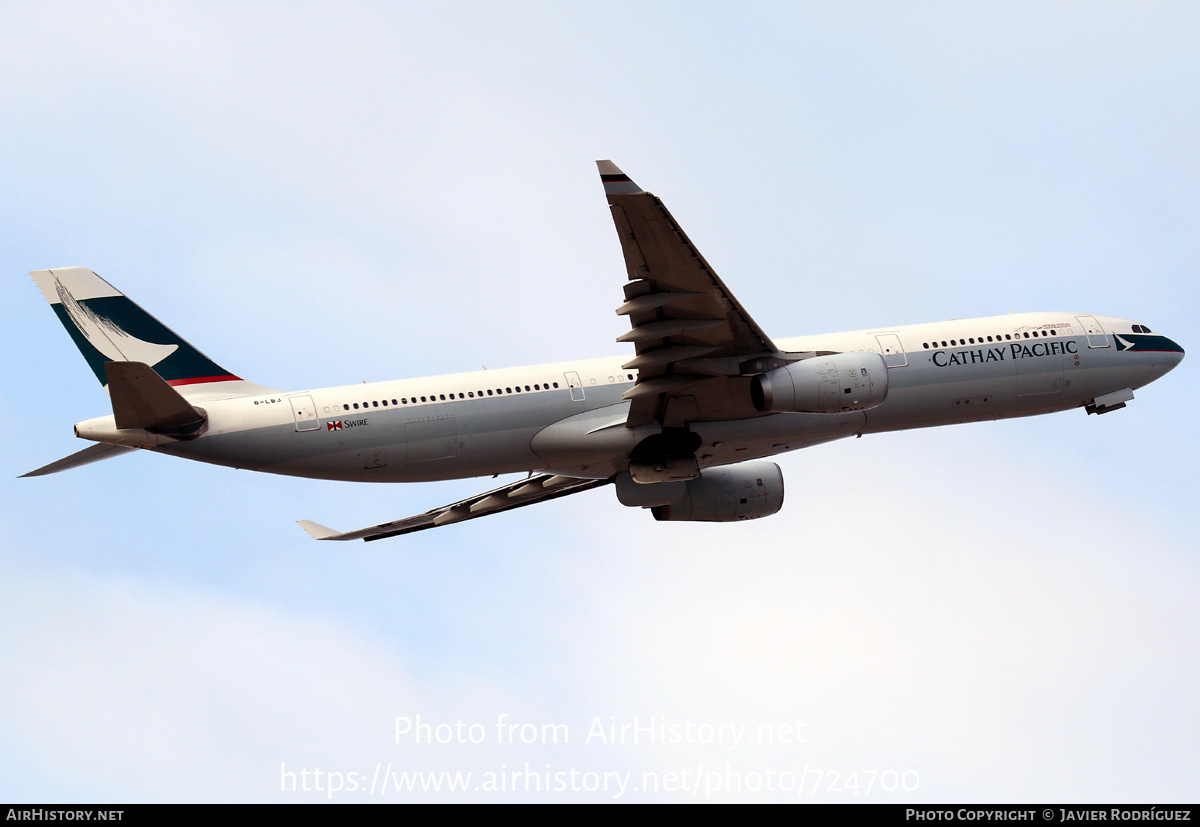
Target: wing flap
x: 535, y: 489
x: 679, y: 309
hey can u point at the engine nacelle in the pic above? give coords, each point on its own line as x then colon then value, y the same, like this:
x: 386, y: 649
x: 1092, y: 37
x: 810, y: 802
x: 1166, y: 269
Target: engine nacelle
x: 744, y: 491
x: 823, y: 384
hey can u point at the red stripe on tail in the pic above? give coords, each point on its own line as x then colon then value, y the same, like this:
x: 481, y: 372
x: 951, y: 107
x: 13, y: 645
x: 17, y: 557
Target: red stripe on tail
x: 197, y: 380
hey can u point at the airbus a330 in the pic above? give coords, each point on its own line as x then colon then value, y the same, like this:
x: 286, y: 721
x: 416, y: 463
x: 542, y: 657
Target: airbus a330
x: 682, y: 428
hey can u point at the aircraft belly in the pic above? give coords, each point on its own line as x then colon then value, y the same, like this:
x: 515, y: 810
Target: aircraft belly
x: 940, y: 394
x: 258, y: 449
x: 1103, y: 371
x: 738, y: 440
x: 430, y: 443
x: 940, y: 387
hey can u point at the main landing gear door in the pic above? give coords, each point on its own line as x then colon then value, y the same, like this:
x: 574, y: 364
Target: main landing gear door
x: 891, y: 350
x: 305, y: 412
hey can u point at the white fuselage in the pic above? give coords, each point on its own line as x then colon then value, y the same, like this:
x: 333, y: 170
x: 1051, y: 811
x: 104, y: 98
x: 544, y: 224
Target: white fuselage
x: 568, y: 417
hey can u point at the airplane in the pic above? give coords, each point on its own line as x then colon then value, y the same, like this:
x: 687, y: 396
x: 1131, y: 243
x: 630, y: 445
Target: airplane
x: 682, y: 428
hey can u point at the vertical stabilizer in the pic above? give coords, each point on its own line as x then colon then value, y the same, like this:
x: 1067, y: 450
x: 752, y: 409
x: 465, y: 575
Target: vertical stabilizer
x: 107, y: 326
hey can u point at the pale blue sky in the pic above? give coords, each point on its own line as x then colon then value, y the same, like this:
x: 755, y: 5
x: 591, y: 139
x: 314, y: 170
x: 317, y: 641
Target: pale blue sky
x: 317, y: 194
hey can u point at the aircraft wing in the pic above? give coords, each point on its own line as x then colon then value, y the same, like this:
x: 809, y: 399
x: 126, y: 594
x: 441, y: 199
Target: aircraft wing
x: 534, y: 489
x: 696, y: 345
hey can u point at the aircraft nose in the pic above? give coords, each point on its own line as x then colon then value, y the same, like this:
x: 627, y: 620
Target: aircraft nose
x: 1170, y: 356
x: 1176, y: 354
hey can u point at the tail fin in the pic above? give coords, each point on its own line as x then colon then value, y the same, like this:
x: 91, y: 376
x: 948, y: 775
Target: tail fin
x: 107, y: 327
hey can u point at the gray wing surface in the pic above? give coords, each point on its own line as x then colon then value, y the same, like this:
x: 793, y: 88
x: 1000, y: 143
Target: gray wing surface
x: 696, y: 345
x: 93, y: 453
x: 535, y: 489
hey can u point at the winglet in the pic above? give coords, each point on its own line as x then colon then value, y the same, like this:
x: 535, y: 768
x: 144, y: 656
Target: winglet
x: 615, y: 181
x: 318, y: 531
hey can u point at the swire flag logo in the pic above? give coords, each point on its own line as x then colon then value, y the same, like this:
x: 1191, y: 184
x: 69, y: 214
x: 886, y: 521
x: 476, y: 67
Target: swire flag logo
x: 335, y: 425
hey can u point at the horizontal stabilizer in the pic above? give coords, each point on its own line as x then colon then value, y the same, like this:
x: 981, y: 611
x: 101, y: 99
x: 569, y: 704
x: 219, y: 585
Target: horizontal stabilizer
x: 88, y: 455
x: 143, y: 399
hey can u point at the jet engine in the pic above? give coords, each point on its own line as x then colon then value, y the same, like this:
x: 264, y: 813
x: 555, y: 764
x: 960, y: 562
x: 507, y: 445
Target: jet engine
x: 744, y: 491
x: 823, y: 384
